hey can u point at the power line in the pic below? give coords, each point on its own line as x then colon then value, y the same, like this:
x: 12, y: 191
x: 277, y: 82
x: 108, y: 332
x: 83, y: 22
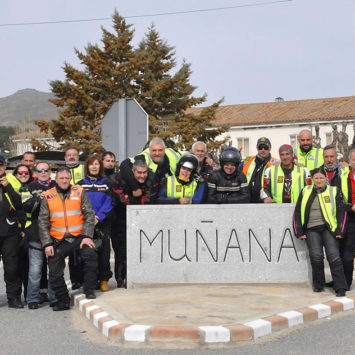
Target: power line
x: 145, y: 15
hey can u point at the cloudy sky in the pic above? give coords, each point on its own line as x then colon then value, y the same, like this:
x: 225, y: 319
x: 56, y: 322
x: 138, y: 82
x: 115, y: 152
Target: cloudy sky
x: 254, y: 51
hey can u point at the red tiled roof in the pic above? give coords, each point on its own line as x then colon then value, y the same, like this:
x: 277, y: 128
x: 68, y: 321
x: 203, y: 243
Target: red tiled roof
x: 285, y: 111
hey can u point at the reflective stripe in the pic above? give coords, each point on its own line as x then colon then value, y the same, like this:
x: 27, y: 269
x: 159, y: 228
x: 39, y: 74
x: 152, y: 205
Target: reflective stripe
x: 316, y: 160
x: 228, y: 188
x: 70, y: 229
x: 299, y: 180
x: 69, y: 213
x: 344, y: 173
x: 332, y: 200
x: 172, y: 151
x: 148, y: 158
x: 275, y: 181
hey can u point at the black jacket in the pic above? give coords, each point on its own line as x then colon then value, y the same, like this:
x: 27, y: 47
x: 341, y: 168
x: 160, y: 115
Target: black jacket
x: 122, y: 193
x: 32, y: 205
x: 162, y: 171
x: 223, y: 188
x: 8, y: 216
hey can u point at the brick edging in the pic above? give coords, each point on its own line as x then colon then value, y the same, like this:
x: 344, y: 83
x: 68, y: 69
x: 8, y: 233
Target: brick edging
x: 138, y: 333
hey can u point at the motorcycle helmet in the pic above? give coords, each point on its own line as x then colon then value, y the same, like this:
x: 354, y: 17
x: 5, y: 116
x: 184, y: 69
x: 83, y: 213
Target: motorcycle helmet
x: 230, y: 155
x: 189, y: 161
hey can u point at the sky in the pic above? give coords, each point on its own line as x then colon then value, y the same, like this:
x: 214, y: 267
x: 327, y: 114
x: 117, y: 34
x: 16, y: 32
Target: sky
x: 254, y: 51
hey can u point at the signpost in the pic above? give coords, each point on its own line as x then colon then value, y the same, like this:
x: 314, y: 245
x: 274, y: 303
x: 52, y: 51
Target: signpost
x: 124, y: 129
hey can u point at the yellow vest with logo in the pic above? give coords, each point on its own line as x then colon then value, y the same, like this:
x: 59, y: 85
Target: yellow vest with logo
x: 312, y: 159
x: 277, y: 178
x: 173, y: 156
x: 176, y: 190
x: 327, y: 202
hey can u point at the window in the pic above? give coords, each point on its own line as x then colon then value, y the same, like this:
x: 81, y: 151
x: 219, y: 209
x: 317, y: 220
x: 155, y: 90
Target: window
x: 294, y: 141
x: 243, y: 146
x: 328, y: 138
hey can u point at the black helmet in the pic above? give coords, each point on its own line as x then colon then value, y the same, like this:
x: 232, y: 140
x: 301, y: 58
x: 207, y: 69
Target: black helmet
x: 189, y: 161
x: 230, y: 155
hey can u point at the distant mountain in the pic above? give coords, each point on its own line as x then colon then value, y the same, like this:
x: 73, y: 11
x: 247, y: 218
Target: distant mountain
x: 26, y: 106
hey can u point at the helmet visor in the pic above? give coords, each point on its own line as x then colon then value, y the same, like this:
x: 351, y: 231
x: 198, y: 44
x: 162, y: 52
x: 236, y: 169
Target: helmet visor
x: 188, y: 165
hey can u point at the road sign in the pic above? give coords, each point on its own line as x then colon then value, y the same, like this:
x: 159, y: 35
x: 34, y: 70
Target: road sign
x: 124, y: 129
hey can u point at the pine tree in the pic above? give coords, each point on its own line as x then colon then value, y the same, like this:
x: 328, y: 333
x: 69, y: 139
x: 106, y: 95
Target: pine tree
x: 166, y: 96
x: 117, y: 70
x: 86, y: 95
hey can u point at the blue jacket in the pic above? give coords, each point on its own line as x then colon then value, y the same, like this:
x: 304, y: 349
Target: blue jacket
x: 99, y: 195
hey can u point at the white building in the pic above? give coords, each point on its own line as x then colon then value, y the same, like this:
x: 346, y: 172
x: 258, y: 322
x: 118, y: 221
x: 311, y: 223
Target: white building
x: 22, y: 141
x: 281, y: 121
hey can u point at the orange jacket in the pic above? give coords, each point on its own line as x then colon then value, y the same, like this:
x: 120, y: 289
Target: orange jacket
x: 65, y: 216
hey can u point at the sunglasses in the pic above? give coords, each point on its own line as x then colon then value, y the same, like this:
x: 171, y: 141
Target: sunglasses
x: 23, y: 173
x: 42, y: 170
x: 265, y: 147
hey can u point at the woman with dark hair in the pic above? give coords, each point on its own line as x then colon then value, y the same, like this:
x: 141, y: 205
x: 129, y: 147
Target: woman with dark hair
x: 319, y: 219
x: 97, y: 188
x: 23, y: 174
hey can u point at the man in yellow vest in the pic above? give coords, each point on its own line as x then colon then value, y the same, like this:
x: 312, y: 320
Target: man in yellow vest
x: 160, y: 160
x: 66, y: 224
x: 254, y: 168
x: 284, y: 182
x: 307, y: 155
x: 71, y: 158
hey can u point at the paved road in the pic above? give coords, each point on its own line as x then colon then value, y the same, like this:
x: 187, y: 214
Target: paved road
x: 43, y: 331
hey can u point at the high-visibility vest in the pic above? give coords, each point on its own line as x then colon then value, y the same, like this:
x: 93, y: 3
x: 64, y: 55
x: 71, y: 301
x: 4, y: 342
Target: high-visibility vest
x: 277, y: 178
x: 77, y: 174
x: 312, y: 159
x: 16, y: 185
x: 172, y: 154
x: 25, y: 195
x: 65, y: 216
x: 344, y: 175
x: 175, y: 189
x: 249, y: 168
x: 327, y: 202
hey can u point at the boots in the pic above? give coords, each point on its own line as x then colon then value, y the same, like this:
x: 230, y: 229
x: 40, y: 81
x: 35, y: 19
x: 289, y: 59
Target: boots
x: 104, y: 286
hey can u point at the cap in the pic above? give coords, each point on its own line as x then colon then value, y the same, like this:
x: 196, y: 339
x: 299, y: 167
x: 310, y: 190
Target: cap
x: 286, y: 148
x: 2, y: 160
x: 263, y: 140
x: 188, y: 165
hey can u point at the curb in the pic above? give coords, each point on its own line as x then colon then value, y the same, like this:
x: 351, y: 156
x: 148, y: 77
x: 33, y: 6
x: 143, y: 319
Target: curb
x: 205, y: 335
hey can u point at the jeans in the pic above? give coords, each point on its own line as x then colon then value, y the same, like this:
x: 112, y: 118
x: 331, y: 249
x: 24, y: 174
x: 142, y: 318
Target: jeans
x: 36, y: 258
x: 316, y: 240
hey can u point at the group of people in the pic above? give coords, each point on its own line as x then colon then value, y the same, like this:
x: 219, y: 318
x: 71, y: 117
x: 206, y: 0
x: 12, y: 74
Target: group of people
x: 82, y: 212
